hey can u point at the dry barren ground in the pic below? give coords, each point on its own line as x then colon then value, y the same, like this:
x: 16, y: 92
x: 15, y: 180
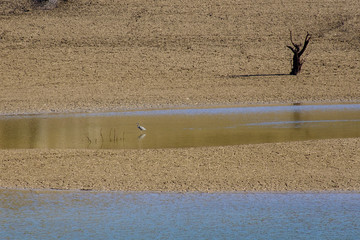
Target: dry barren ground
x: 295, y: 166
x: 105, y: 55
x: 109, y: 55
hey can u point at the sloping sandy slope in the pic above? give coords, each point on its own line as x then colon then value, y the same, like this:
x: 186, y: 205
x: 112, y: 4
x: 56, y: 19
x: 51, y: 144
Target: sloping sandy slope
x: 295, y: 166
x: 108, y: 55
x: 111, y: 55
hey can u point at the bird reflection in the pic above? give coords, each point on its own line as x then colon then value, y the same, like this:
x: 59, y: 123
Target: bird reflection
x: 141, y: 136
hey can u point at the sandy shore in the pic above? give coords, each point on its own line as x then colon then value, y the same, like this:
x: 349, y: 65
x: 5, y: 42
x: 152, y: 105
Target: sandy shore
x: 87, y: 56
x: 295, y: 166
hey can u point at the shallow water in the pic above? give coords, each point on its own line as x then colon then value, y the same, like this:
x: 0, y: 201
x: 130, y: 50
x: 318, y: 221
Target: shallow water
x: 120, y: 215
x: 181, y: 127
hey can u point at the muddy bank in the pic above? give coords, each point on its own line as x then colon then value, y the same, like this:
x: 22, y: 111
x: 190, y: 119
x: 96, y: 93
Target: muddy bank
x: 294, y: 166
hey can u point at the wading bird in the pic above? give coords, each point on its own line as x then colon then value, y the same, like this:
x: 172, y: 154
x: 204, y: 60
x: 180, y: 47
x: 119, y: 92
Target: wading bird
x: 140, y: 127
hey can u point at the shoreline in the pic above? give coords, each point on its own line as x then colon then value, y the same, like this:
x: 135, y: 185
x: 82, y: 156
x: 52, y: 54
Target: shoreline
x: 178, y: 107
x: 61, y: 191
x: 314, y: 165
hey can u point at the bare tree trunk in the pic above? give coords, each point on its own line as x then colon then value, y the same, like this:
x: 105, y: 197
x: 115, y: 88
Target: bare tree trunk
x: 297, y: 62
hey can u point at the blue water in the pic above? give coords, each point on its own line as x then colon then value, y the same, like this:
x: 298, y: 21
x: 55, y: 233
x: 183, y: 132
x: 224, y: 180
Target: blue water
x: 120, y: 215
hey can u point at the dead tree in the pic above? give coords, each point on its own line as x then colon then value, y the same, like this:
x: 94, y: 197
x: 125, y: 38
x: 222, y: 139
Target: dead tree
x: 297, y: 62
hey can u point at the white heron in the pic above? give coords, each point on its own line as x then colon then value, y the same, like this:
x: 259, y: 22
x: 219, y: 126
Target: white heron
x: 140, y: 127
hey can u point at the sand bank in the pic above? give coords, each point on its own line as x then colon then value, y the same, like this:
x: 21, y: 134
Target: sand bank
x: 294, y: 166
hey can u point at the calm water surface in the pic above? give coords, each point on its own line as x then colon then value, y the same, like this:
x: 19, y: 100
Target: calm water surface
x: 119, y: 215
x: 181, y: 127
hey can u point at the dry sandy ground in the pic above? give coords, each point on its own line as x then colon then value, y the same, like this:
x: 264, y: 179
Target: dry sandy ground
x: 111, y: 55
x: 106, y: 55
x: 296, y: 166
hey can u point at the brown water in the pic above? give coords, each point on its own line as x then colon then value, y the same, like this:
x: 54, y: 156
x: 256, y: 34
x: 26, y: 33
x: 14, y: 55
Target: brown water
x: 181, y: 127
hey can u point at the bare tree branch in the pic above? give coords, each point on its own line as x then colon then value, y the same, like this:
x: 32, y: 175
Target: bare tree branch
x: 291, y: 40
x: 306, y: 42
